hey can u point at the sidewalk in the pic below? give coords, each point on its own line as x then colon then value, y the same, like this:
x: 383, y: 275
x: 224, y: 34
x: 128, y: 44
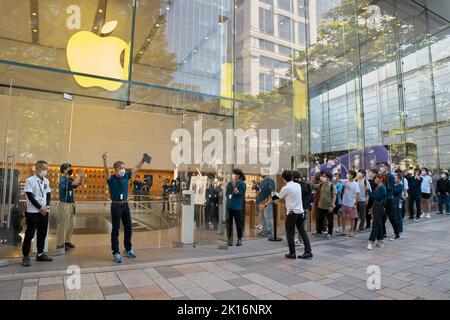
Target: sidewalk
x: 415, y: 267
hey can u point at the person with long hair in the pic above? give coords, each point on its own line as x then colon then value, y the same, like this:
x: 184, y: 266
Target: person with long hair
x: 379, y: 200
x: 235, y: 200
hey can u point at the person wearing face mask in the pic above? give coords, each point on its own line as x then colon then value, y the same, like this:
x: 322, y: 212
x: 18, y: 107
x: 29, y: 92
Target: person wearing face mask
x: 404, y: 196
x: 337, y: 209
x: 427, y: 189
x: 37, y: 189
x: 414, y: 193
x: 363, y: 198
x: 66, y: 207
x: 120, y: 210
x: 371, y: 173
x: 327, y: 203
x: 266, y: 187
x: 385, y: 169
x: 173, y: 191
x: 379, y: 198
x: 235, y: 199
x: 442, y: 191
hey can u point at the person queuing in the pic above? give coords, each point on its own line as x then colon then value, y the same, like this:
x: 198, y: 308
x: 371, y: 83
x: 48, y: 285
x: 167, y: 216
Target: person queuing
x: 292, y: 194
x: 66, y: 207
x: 235, y: 199
x: 378, y: 196
x: 340, y: 192
x: 37, y: 189
x: 138, y: 189
x: 371, y: 173
x: 404, y: 196
x: 349, y: 201
x: 385, y: 169
x: 442, y: 191
x: 120, y: 210
x: 397, y: 193
x: 363, y: 198
x: 306, y: 202
x: 165, y: 194
x: 414, y: 193
x: 267, y: 186
x: 327, y: 203
x: 427, y: 189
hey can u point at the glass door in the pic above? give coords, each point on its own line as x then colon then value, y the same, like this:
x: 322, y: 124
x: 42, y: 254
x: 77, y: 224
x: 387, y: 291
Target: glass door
x: 35, y: 126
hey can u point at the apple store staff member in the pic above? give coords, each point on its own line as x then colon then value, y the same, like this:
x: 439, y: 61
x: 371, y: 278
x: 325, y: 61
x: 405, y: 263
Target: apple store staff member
x: 66, y: 207
x: 37, y: 189
x: 120, y: 211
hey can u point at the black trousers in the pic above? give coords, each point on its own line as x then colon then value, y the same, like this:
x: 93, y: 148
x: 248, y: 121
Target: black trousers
x: 415, y: 200
x: 35, y: 222
x: 369, y: 216
x: 390, y: 213
x: 377, y: 221
x: 329, y: 215
x: 165, y: 202
x: 120, y: 212
x: 303, y: 234
x: 236, y: 215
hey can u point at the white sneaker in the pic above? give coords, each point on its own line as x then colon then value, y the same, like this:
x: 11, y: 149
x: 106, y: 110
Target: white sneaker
x: 428, y: 216
x: 369, y: 246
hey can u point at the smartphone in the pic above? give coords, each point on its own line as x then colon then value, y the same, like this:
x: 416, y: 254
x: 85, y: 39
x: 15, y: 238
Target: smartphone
x: 147, y: 158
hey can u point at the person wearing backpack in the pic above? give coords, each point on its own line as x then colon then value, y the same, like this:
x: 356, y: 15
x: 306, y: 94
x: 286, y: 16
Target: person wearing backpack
x: 326, y: 205
x: 363, y: 198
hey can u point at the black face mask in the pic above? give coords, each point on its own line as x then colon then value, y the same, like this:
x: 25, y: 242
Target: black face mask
x: 70, y: 172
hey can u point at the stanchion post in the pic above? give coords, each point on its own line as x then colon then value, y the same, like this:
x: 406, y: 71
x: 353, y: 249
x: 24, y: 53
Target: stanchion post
x: 274, y: 215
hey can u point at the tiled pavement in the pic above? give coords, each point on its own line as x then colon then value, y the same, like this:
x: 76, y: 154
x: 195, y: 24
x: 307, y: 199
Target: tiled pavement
x: 415, y: 267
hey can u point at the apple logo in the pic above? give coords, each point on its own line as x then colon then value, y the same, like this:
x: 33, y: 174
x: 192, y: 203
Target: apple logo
x: 99, y: 55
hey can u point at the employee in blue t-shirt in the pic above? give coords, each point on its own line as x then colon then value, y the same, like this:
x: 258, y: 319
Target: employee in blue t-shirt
x: 120, y: 211
x: 66, y: 207
x: 235, y: 201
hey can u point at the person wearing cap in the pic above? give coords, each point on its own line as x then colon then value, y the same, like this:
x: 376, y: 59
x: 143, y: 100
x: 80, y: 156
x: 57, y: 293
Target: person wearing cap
x: 442, y: 191
x: 120, y: 210
x: 65, y: 213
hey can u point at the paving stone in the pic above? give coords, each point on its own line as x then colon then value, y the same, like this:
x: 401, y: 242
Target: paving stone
x: 11, y: 285
x: 50, y: 280
x: 235, y: 294
x: 134, y: 278
x: 272, y: 296
x: 197, y: 294
x: 51, y: 295
x: 113, y: 290
x: 424, y: 293
x: 395, y: 294
x: 239, y: 282
x: 212, y: 284
x: 317, y: 290
x: 145, y: 290
x: 182, y: 283
x: 360, y: 293
x: 51, y: 287
x: 87, y: 292
x: 344, y: 297
x: 120, y: 296
x: 255, y: 290
x: 300, y: 296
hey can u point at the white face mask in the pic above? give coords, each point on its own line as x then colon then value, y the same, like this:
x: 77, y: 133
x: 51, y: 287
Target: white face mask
x: 233, y: 177
x: 121, y: 172
x: 43, y: 174
x: 348, y: 176
x: 334, y: 179
x: 411, y: 172
x: 423, y: 173
x: 443, y: 176
x: 382, y: 170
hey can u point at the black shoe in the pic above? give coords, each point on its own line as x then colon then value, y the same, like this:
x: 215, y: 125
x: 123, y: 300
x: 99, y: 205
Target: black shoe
x: 26, y: 262
x: 411, y: 218
x: 239, y: 243
x: 43, y: 258
x: 290, y: 256
x: 69, y: 245
x: 306, y: 256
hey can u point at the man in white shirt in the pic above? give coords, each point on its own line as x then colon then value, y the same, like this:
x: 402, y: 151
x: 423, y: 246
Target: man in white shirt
x: 349, y: 201
x: 292, y: 194
x: 37, y: 189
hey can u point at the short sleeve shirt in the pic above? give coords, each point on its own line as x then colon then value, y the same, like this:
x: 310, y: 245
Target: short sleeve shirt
x: 39, y: 188
x: 426, y: 184
x: 326, y: 196
x: 118, y: 187
x: 351, y: 189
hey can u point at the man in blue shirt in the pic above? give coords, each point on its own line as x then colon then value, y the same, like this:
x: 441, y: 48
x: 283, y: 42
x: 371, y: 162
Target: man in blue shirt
x: 66, y: 207
x: 385, y: 169
x: 120, y: 211
x: 267, y: 186
x: 235, y: 201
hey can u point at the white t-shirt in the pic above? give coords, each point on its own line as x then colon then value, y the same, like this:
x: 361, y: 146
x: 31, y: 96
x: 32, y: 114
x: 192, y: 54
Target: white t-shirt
x: 39, y: 188
x: 292, y: 195
x: 426, y: 184
x: 351, y: 189
x: 405, y: 187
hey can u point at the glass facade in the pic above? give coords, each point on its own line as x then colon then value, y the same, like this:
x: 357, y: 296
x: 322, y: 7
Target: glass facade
x: 339, y: 79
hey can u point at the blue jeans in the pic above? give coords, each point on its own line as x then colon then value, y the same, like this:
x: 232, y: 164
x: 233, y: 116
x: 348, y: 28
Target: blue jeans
x: 268, y: 220
x: 398, y: 213
x: 444, y: 199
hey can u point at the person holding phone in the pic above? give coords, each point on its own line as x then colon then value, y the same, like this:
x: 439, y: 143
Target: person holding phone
x: 235, y: 200
x: 120, y: 210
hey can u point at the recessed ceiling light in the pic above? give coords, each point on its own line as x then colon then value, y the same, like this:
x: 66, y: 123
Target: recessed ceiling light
x: 100, y: 10
x: 34, y: 14
x: 157, y: 25
x: 149, y: 40
x: 34, y: 30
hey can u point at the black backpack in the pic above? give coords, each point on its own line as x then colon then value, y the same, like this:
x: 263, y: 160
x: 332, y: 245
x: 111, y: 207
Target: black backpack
x: 306, y: 194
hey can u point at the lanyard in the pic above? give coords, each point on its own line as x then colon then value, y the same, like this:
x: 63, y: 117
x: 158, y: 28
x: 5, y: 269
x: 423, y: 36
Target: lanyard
x: 39, y: 184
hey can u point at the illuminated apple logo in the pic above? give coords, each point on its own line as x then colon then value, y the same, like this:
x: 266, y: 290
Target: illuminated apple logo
x: 101, y: 56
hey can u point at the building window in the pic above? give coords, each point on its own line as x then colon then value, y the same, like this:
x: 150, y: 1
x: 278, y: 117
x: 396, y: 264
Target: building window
x: 266, y: 21
x: 266, y: 45
x: 285, y: 5
x: 267, y: 1
x: 302, y: 33
x: 285, y: 51
x: 285, y: 28
x: 272, y: 63
x: 265, y: 82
